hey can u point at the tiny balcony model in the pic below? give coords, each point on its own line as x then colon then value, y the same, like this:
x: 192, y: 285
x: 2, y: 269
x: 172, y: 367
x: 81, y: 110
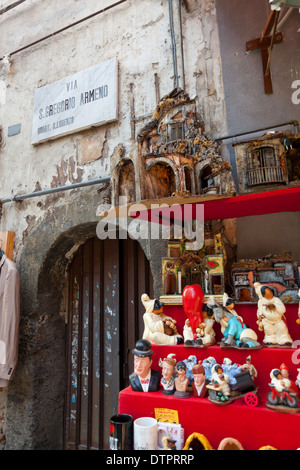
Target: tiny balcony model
x: 269, y: 162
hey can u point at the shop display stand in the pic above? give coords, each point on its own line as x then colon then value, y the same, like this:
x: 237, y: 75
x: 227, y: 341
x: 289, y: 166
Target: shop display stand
x: 253, y: 426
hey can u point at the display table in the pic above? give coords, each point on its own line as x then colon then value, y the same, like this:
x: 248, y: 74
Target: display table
x: 254, y: 427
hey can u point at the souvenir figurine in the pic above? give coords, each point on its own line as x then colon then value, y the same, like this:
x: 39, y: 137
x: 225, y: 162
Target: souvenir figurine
x: 168, y: 374
x: 281, y: 398
x: 231, y: 370
x: 271, y: 319
x: 228, y: 304
x: 144, y: 379
x: 159, y: 328
x: 168, y: 443
x: 190, y: 338
x: 286, y: 375
x: 190, y: 362
x: 236, y: 334
x: 199, y: 383
x: 298, y: 319
x: 205, y: 334
x: 224, y: 387
x: 192, y: 302
x: 181, y: 381
x: 298, y: 378
x: 208, y: 364
x: 205, y: 331
x: 188, y: 335
x: 250, y: 367
x: 219, y: 385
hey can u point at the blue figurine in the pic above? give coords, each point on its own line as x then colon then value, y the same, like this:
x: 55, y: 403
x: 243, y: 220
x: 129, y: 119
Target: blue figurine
x: 190, y: 362
x: 235, y: 333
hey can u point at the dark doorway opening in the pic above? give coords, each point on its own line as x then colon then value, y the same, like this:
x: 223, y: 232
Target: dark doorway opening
x: 105, y: 319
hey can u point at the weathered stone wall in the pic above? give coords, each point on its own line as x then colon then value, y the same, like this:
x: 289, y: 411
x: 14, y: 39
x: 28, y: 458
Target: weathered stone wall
x: 49, y: 229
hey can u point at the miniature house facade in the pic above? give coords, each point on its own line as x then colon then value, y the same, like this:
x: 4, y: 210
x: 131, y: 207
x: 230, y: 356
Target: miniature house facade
x: 205, y: 267
x: 280, y: 272
x: 171, y: 156
x: 270, y: 161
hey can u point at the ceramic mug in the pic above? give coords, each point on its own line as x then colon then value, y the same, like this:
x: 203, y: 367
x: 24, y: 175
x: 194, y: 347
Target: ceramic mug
x: 121, y: 432
x: 145, y: 434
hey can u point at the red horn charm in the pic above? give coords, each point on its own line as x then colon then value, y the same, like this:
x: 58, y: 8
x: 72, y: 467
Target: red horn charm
x: 192, y: 301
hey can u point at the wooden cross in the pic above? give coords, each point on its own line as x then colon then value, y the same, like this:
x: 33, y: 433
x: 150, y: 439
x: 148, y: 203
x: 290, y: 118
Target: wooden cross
x: 265, y: 43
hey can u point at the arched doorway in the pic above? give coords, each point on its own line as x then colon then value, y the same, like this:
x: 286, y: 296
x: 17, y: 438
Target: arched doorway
x: 105, y: 318
x: 127, y: 180
x: 160, y: 181
x: 206, y: 177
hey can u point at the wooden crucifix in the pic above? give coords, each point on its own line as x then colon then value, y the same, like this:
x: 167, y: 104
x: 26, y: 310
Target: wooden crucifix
x: 265, y: 43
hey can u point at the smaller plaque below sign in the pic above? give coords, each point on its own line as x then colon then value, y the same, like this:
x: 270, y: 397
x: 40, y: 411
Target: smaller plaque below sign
x: 86, y: 99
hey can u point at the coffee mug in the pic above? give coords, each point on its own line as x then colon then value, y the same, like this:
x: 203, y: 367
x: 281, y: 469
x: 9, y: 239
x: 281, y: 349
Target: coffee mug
x: 145, y: 432
x: 121, y: 432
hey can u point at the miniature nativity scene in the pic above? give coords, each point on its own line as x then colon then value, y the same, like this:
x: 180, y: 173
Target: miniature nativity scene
x: 170, y: 157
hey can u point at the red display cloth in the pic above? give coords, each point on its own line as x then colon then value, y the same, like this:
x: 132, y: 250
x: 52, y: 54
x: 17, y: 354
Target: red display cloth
x: 267, y: 202
x: 253, y: 427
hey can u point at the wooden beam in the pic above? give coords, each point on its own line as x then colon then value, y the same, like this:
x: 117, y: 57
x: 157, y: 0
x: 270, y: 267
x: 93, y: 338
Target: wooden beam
x: 266, y: 43
x: 263, y: 42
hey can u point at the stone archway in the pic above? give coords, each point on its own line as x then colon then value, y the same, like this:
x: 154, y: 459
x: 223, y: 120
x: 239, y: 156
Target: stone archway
x: 35, y: 400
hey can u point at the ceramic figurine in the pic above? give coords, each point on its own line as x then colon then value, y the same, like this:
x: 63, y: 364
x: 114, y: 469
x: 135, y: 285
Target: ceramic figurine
x: 228, y: 304
x: 219, y: 384
x: 250, y: 367
x: 190, y: 338
x: 271, y: 319
x: 205, y: 331
x: 168, y: 443
x: 286, y: 375
x: 199, y: 383
x: 181, y: 381
x: 159, y: 328
x: 168, y: 374
x: 188, y: 334
x: 224, y: 388
x: 205, y: 334
x: 190, y: 362
x: 208, y: 364
x: 298, y: 319
x: 281, y: 398
x: 192, y: 302
x: 144, y: 379
x: 231, y: 370
x: 298, y: 378
x: 236, y: 333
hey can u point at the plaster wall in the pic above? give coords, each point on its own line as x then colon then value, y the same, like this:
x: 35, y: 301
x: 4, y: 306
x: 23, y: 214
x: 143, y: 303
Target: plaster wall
x: 138, y: 35
x: 49, y: 229
x: 248, y: 108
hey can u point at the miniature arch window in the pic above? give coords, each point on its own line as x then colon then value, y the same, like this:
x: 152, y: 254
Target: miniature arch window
x: 160, y: 181
x: 188, y: 175
x: 127, y: 180
x: 206, y: 177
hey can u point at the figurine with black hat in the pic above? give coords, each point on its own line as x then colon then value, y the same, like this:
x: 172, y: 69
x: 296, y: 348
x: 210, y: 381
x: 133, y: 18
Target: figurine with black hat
x: 144, y: 379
